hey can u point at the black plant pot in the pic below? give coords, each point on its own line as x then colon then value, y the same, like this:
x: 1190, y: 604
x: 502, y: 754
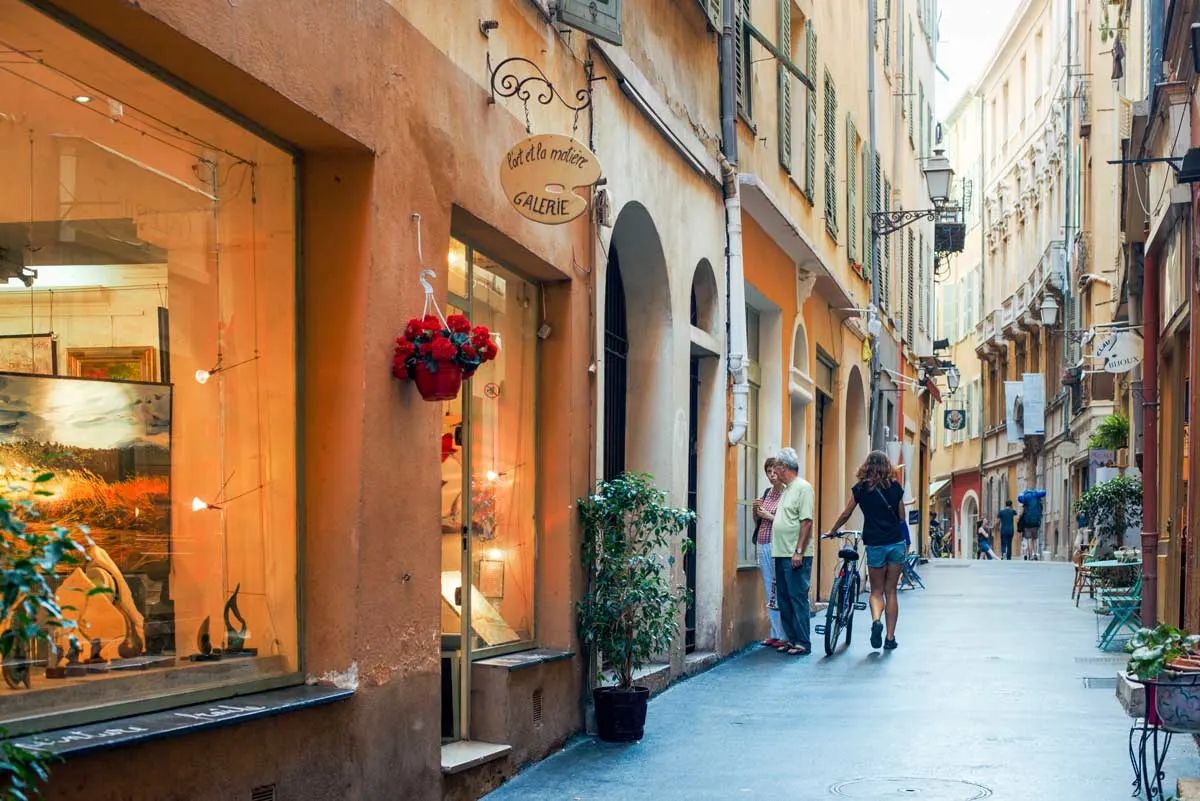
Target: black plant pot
x: 620, y: 714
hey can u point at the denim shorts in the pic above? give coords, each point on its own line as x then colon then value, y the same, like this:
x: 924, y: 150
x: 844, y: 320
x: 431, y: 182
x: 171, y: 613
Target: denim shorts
x: 881, y: 555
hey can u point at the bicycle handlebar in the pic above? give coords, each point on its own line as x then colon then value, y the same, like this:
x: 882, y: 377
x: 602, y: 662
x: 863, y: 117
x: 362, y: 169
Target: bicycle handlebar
x: 845, y: 533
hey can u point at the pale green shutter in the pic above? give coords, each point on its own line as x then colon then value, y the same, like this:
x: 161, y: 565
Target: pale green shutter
x: 831, y: 140
x: 921, y: 114
x: 908, y: 93
x: 868, y: 205
x: 810, y: 126
x: 887, y: 34
x: 910, y: 281
x: 885, y: 288
x: 785, y: 87
x: 712, y: 9
x: 851, y: 191
x: 740, y: 73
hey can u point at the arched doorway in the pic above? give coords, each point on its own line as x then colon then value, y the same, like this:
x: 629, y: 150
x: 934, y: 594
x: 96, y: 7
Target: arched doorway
x: 800, y: 391
x: 968, y: 521
x: 616, y: 358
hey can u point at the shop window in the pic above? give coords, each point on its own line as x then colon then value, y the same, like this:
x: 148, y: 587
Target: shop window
x: 488, y: 447
x: 147, y: 360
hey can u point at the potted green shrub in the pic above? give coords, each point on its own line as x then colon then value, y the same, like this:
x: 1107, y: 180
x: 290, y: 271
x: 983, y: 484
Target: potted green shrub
x: 1111, y: 508
x: 630, y: 611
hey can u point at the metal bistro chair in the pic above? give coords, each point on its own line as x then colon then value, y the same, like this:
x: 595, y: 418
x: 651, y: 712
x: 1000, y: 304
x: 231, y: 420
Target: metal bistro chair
x: 1124, y: 605
x: 909, y: 577
x: 1085, y: 579
x: 1172, y: 707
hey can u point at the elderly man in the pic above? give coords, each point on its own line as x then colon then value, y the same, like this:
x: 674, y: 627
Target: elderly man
x: 792, y: 550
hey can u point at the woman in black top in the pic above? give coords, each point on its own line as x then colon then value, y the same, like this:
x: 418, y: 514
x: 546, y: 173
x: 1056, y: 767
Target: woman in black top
x: 881, y: 499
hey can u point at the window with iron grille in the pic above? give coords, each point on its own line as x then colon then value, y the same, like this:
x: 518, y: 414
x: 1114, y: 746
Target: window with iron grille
x: 810, y: 137
x: 851, y: 191
x: 910, y: 307
x: 831, y: 148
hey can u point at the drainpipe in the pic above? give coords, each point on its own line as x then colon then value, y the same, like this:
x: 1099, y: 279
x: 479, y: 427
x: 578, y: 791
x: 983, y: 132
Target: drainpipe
x: 1150, y: 440
x: 735, y: 292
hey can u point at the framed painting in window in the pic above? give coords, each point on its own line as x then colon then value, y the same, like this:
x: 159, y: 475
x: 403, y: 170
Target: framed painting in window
x: 113, y: 364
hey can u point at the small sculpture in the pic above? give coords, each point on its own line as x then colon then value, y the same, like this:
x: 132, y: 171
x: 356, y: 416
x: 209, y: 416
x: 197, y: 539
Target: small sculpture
x: 54, y: 668
x: 74, y: 668
x: 16, y: 667
x: 204, y: 645
x: 235, y: 639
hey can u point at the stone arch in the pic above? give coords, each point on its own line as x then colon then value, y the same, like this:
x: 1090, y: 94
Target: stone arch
x: 705, y: 298
x: 636, y: 251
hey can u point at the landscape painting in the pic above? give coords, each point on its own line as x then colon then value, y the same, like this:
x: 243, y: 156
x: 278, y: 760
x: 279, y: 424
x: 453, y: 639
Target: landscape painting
x: 29, y: 353
x: 108, y: 444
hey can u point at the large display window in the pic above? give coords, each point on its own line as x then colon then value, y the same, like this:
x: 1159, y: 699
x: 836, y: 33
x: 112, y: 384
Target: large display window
x: 147, y: 360
x: 488, y: 471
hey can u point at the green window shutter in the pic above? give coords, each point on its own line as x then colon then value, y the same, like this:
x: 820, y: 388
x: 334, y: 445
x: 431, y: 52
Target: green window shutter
x: 910, y: 278
x: 831, y: 141
x: 921, y: 114
x: 922, y: 294
x: 851, y: 191
x: 712, y: 10
x: 867, y: 206
x: 810, y: 123
x: 785, y: 87
x: 885, y: 288
x: 908, y: 93
x: 599, y: 18
x: 740, y: 72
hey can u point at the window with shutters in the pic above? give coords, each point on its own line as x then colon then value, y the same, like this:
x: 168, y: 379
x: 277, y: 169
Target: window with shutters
x: 868, y: 260
x: 831, y: 140
x: 852, y: 193
x: 923, y: 289
x: 921, y: 115
x: 810, y: 115
x: 908, y: 81
x: 885, y: 273
x: 909, y: 278
x: 743, y: 64
x: 712, y: 10
x: 887, y: 39
x: 784, y: 81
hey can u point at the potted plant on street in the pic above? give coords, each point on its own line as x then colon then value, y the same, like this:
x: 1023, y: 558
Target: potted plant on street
x: 630, y: 611
x: 437, y: 354
x: 1112, y: 507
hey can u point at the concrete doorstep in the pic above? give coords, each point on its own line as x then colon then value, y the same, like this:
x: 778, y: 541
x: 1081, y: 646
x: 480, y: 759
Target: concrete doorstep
x: 1188, y: 790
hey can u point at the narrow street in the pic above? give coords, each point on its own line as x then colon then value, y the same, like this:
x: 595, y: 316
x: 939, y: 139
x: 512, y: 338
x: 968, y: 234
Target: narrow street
x: 987, y: 697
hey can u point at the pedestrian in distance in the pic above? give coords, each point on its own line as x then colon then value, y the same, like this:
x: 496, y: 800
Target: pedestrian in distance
x: 1007, y: 518
x: 792, y: 550
x: 881, y: 498
x: 984, y: 542
x: 1031, y: 521
x: 764, y: 519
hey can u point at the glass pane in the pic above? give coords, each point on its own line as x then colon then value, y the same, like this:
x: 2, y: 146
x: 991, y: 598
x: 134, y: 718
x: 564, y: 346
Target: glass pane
x: 502, y: 458
x: 753, y: 326
x: 147, y: 359
x: 457, y: 268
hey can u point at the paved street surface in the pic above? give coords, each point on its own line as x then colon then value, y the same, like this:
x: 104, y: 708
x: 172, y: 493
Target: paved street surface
x: 985, y: 698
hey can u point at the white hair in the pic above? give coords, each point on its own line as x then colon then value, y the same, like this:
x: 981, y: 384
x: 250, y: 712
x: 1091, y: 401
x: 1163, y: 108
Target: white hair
x: 789, y: 459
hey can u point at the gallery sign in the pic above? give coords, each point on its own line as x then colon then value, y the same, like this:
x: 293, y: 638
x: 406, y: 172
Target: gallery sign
x: 540, y: 174
x: 1121, y: 352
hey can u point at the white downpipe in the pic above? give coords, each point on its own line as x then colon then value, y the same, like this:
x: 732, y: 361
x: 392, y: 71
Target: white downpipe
x: 736, y: 294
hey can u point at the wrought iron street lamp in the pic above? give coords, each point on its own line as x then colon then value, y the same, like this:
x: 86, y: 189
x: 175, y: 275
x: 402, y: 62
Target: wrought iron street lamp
x: 1048, y: 311
x: 939, y: 176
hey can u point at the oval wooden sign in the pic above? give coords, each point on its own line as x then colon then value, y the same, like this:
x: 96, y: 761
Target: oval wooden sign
x: 540, y: 174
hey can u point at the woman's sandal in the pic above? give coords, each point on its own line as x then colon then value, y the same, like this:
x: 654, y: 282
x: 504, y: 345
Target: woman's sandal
x: 797, y: 651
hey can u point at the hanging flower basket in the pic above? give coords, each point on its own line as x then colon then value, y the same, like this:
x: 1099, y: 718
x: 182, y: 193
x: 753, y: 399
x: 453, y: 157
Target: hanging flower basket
x: 437, y: 354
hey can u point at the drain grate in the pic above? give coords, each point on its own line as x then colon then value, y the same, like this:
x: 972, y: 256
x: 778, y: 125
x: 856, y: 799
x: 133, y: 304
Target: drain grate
x: 924, y: 789
x: 1101, y: 660
x: 1100, y: 682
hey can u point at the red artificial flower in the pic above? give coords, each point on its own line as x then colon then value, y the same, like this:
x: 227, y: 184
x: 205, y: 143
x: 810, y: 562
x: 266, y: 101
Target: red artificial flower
x: 426, y: 347
x: 458, y: 323
x: 404, y: 348
x: 431, y: 323
x: 399, y: 369
x: 489, y: 351
x: 469, y: 352
x: 443, y: 349
x: 413, y: 329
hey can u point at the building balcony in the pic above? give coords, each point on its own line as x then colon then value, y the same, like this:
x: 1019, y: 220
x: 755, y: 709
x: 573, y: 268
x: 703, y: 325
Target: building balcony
x: 1084, y: 95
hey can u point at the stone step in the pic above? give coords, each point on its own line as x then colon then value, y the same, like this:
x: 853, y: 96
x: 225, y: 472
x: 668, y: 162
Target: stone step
x: 1188, y: 790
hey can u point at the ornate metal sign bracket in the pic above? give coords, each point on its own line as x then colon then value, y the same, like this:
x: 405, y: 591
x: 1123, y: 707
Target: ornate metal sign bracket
x: 521, y: 78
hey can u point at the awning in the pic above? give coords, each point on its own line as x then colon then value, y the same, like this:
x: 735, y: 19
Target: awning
x: 937, y: 486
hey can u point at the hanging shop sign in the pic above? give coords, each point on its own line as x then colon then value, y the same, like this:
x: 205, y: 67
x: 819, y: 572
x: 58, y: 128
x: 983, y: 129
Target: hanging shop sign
x: 954, y: 419
x: 541, y: 173
x: 1121, y: 352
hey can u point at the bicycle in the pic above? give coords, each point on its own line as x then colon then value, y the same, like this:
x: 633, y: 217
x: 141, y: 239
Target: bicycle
x: 843, y: 597
x: 941, y: 546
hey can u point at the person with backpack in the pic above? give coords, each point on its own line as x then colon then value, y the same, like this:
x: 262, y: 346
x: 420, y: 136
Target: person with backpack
x: 1031, y: 521
x: 885, y: 533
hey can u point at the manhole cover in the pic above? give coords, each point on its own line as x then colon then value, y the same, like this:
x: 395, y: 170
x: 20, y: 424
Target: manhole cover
x: 923, y: 789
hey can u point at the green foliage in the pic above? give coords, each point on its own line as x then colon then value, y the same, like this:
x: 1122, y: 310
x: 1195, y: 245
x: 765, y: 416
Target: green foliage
x: 1112, y: 434
x: 1151, y: 649
x: 1113, y: 506
x: 29, y: 558
x: 630, y: 611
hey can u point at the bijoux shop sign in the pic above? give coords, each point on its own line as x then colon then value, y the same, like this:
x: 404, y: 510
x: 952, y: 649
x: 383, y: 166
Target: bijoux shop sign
x: 540, y: 174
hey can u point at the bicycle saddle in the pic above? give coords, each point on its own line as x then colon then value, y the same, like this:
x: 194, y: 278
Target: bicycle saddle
x: 848, y: 553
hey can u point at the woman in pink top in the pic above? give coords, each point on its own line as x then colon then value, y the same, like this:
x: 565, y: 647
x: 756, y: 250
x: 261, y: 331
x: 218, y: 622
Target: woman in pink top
x: 764, y: 516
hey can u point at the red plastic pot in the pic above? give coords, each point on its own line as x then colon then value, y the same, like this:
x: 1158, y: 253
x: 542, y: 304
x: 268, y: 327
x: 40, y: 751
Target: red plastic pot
x: 440, y: 386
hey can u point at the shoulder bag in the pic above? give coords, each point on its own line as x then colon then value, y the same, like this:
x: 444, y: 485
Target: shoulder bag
x: 903, y: 526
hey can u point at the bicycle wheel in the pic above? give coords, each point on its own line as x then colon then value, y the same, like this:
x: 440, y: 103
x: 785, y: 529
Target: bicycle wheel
x: 833, y: 617
x: 851, y: 600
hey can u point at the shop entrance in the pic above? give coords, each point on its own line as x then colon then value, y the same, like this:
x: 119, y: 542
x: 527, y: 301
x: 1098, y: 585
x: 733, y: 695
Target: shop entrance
x: 689, y: 558
x: 616, y: 368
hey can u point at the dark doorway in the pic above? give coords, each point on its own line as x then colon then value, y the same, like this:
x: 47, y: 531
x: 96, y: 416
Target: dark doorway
x: 616, y: 365
x: 689, y: 558
x: 823, y: 402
